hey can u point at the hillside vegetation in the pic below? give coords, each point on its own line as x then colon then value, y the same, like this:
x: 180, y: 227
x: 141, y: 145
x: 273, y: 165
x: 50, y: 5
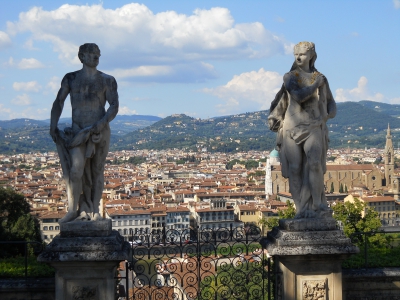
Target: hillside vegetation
x: 357, y: 124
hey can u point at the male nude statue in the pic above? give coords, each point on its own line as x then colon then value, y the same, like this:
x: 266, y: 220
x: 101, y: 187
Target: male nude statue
x: 84, y: 146
x: 299, y: 114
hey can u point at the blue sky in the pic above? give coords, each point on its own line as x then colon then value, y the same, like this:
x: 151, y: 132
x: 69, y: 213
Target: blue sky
x: 201, y: 58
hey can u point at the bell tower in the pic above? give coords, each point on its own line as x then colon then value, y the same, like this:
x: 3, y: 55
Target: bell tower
x: 389, y: 158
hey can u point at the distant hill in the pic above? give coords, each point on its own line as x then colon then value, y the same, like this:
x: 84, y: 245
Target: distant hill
x: 18, y: 123
x: 357, y: 124
x: 27, y: 135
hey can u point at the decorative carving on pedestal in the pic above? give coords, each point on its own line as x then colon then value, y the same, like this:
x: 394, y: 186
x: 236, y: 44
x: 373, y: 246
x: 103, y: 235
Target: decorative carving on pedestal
x: 84, y: 292
x: 314, y: 289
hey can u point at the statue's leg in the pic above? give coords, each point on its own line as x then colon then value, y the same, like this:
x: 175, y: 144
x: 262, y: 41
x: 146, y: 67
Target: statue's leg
x: 85, y: 202
x: 97, y: 166
x: 74, y: 184
x: 293, y: 153
x: 313, y: 151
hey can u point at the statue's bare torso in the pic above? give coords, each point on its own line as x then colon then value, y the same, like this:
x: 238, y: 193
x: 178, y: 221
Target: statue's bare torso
x: 88, y: 97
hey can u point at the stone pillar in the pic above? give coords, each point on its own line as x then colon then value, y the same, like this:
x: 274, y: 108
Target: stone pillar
x: 86, y: 255
x: 308, y: 254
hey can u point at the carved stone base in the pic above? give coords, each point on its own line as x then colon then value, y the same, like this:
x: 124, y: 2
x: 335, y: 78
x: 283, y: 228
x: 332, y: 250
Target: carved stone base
x: 86, y: 265
x: 308, y: 253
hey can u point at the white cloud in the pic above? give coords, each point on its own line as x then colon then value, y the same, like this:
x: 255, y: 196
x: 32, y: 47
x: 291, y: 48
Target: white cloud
x: 5, y: 40
x: 141, y: 71
x: 4, y: 111
x: 30, y: 86
x: 10, y: 62
x: 395, y: 100
x: 361, y: 92
x: 126, y: 111
x: 133, y: 37
x: 396, y: 4
x: 21, y: 100
x: 30, y: 63
x: 54, y: 84
x: 248, y: 91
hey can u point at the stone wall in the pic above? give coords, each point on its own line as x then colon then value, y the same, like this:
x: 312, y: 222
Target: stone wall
x: 358, y: 284
x: 30, y: 289
x: 371, y: 284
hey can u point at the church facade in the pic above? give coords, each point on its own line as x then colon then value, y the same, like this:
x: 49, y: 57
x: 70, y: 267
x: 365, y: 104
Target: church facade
x: 343, y: 178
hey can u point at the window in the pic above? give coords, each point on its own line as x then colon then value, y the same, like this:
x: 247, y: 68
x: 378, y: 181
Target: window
x: 57, y: 228
x: 45, y: 228
x: 51, y: 228
x: 45, y: 237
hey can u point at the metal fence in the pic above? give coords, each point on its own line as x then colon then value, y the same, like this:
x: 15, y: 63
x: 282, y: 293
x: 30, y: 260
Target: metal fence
x: 203, y: 264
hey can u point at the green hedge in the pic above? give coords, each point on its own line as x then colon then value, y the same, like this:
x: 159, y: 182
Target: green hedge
x: 15, y: 267
x: 376, y: 258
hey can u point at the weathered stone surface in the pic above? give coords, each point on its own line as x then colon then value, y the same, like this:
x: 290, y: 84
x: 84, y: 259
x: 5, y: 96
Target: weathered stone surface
x: 308, y: 224
x: 371, y: 284
x: 111, y: 248
x: 83, y: 147
x: 100, y: 228
x: 309, y: 253
x: 299, y: 114
x: 308, y: 236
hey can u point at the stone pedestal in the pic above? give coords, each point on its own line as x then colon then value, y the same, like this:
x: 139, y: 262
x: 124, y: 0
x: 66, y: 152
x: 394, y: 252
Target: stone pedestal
x: 86, y: 256
x: 308, y: 254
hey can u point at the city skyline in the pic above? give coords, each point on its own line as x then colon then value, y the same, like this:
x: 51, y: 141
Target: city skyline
x: 200, y: 58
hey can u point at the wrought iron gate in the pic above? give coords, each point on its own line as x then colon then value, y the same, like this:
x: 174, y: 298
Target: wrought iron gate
x: 219, y: 264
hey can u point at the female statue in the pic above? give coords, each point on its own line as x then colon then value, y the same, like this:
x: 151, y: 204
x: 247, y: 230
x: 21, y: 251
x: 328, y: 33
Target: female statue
x: 299, y: 114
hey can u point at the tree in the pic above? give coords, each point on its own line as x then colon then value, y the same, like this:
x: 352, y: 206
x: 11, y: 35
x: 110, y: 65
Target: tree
x: 26, y: 228
x: 345, y: 188
x: 263, y: 222
x: 350, y: 214
x: 289, y: 212
x: 332, y: 188
x: 12, y: 206
x: 341, y: 188
x: 16, y: 222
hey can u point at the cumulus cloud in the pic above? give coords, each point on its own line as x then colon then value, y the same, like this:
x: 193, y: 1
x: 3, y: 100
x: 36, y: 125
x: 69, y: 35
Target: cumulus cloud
x: 396, y: 4
x: 361, y: 92
x: 126, y: 111
x: 21, y: 100
x: 4, y: 112
x: 395, y: 100
x: 5, y: 40
x: 248, y: 91
x: 133, y: 38
x: 30, y: 86
x: 30, y: 63
x: 54, y: 84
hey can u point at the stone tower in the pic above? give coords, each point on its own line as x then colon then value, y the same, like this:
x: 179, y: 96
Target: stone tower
x: 268, y: 179
x: 389, y: 158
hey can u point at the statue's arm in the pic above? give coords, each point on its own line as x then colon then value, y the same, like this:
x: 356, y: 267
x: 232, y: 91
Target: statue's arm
x: 331, y: 104
x: 112, y: 99
x: 57, y: 108
x: 301, y: 94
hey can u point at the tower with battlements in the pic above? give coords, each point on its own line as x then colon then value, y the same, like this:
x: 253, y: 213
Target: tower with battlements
x: 389, y: 158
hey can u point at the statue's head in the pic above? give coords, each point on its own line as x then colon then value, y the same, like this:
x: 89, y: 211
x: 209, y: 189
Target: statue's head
x: 89, y: 54
x: 309, y: 49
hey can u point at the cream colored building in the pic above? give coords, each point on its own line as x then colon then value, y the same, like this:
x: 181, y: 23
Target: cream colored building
x: 386, y: 207
x: 49, y: 226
